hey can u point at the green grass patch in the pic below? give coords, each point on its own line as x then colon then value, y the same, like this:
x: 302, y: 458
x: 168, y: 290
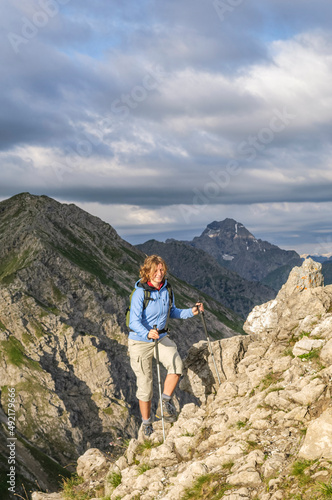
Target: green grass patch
x: 146, y: 445
x: 14, y: 352
x: 108, y: 411
x: 188, y: 434
x: 314, y: 354
x: 252, y: 445
x: 143, y: 468
x: 304, y: 334
x: 275, y: 389
x: 71, y: 491
x: 298, y: 470
x: 207, y: 487
x: 89, y: 263
x: 288, y: 352
x: 27, y: 338
x: 325, y: 490
x: 114, y: 479
x: 300, y: 466
x: 227, y: 466
x: 269, y: 379
x: 57, y: 294
x: 39, y: 330
x: 13, y: 263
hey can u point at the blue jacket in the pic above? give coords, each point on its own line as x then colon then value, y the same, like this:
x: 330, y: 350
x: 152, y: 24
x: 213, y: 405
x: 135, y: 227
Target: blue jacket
x: 142, y: 321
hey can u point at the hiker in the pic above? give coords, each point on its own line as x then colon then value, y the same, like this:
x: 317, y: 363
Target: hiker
x: 147, y: 323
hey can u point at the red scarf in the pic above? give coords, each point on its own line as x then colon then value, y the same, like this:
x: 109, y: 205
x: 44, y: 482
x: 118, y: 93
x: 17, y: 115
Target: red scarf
x: 157, y: 287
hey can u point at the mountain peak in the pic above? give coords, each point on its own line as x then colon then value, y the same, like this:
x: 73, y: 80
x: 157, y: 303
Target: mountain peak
x: 236, y: 248
x: 227, y: 228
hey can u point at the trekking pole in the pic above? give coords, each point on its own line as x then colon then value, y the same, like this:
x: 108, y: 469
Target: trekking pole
x: 159, y: 383
x: 209, y: 343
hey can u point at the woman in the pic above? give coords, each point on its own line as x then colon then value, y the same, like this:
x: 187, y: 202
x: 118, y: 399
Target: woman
x: 147, y: 324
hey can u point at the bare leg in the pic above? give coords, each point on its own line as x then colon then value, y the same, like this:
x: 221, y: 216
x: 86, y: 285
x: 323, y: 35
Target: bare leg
x: 145, y: 407
x: 170, y: 383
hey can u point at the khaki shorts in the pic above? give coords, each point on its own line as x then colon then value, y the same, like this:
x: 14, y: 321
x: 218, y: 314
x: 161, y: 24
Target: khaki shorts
x: 141, y: 354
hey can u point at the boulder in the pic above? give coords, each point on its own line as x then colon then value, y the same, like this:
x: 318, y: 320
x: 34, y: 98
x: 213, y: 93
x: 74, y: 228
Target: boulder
x: 310, y: 393
x: 163, y: 455
x: 326, y: 354
x: 301, y: 301
x: 200, y: 377
x: 93, y: 461
x: 309, y: 275
x: 318, y: 439
x: 306, y: 345
x: 248, y: 478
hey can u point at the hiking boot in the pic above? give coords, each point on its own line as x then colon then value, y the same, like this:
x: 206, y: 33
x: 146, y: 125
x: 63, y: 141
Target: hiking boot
x: 147, y: 430
x: 169, y: 411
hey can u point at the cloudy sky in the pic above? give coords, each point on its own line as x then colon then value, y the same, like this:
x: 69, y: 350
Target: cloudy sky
x: 163, y: 116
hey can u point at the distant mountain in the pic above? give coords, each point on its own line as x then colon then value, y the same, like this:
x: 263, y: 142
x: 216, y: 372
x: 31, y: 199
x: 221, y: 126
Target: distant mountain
x: 319, y: 258
x: 65, y: 278
x: 327, y: 272
x: 203, y: 272
x: 234, y: 247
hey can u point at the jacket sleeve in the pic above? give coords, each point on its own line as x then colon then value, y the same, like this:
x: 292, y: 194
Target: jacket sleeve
x: 180, y: 313
x: 136, y: 311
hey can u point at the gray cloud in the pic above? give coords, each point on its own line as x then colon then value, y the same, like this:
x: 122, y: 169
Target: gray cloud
x: 148, y: 103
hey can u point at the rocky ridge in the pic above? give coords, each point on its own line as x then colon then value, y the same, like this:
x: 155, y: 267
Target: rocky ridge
x: 65, y: 278
x: 264, y: 434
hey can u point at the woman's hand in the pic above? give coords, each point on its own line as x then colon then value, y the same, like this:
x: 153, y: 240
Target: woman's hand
x: 199, y: 306
x: 153, y: 334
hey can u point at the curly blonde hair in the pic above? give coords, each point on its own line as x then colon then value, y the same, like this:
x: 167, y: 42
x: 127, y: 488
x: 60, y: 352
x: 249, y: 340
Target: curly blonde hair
x: 150, y: 265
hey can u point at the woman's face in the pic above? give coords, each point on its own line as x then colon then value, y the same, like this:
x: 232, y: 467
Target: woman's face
x: 157, y: 275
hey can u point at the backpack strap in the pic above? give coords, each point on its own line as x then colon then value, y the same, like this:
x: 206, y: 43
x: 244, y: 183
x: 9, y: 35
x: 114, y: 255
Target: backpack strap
x: 147, y: 298
x: 170, y: 302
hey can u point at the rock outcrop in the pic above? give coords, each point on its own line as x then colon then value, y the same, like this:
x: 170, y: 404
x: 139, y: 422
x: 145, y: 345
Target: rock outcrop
x: 266, y: 432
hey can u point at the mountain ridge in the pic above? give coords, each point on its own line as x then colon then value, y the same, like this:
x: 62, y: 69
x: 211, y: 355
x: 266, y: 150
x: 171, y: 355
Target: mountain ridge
x: 65, y: 279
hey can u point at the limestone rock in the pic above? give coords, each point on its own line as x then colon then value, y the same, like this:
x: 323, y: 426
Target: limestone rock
x: 298, y: 306
x: 200, y: 378
x: 324, y: 327
x: 262, y: 318
x: 326, y: 353
x: 239, y: 494
x: 163, y: 455
x: 92, y: 462
x: 318, y: 440
x: 305, y: 345
x: 310, y: 393
x: 309, y: 275
x: 248, y: 478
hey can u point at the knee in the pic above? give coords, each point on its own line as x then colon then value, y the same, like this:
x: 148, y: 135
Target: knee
x: 144, y: 393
